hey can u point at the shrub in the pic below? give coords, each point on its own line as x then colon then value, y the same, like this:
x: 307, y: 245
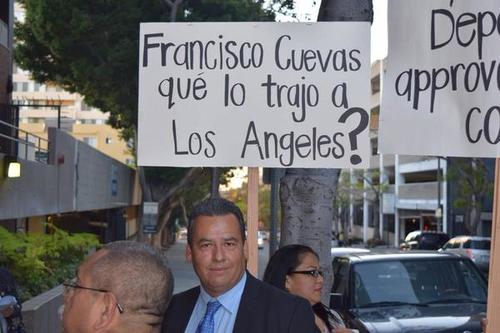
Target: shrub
x: 39, y: 262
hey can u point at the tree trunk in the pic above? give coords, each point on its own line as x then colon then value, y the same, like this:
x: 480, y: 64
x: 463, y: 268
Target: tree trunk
x: 475, y: 215
x: 174, y: 7
x: 307, y: 194
x: 345, y: 226
x: 307, y: 212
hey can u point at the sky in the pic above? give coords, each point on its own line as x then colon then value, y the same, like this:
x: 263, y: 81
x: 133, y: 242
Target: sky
x: 308, y: 11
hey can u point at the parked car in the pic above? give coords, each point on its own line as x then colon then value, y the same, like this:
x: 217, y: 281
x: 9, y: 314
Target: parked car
x: 409, y: 291
x: 260, y: 239
x: 341, y: 251
x: 474, y: 247
x: 424, y: 240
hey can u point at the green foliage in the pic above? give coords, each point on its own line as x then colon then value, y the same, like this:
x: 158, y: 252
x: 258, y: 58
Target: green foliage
x: 472, y: 180
x: 473, y: 186
x: 224, y: 11
x: 42, y: 261
x: 91, y: 47
x: 239, y: 197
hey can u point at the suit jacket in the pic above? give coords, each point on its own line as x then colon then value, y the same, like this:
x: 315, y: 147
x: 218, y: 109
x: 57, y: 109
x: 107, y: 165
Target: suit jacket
x: 263, y: 308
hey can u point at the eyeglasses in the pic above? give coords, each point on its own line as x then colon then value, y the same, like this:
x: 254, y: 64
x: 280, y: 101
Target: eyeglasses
x: 314, y: 273
x: 70, y: 285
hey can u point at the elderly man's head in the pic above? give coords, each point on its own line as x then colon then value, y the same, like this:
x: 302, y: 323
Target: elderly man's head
x: 124, y: 287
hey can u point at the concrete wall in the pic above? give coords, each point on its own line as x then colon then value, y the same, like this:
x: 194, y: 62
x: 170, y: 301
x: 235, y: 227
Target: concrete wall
x: 102, y: 182
x: 41, y: 315
x: 32, y: 194
x: 77, y: 178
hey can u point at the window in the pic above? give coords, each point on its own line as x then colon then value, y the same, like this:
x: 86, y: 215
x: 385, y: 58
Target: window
x: 108, y: 140
x: 15, y: 86
x: 417, y: 281
x: 341, y: 273
x: 37, y: 86
x: 24, y: 86
x: 481, y: 244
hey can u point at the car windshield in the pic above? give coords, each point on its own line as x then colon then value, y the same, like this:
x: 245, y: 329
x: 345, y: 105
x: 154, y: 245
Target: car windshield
x: 432, y: 240
x: 417, y: 282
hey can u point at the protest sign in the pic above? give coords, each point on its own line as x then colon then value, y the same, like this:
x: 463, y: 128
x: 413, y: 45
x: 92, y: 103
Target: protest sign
x: 440, y: 92
x: 254, y: 94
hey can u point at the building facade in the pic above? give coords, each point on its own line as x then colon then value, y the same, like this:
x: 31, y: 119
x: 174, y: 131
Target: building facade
x: 42, y: 106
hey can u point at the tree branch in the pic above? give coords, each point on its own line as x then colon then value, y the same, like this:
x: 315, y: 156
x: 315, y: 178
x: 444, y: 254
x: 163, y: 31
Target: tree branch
x: 174, y: 6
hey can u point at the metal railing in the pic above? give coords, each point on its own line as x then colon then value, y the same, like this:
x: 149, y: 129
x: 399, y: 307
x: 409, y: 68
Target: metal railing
x: 29, y: 146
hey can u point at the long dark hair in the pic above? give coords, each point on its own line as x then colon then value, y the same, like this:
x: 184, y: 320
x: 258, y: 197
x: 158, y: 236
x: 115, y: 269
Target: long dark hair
x: 285, y: 260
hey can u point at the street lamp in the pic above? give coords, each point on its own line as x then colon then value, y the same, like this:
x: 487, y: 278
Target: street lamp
x: 12, y: 168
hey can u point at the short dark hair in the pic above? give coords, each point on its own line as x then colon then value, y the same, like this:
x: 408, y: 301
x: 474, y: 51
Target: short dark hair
x: 139, y: 277
x: 215, y: 206
x: 283, y: 261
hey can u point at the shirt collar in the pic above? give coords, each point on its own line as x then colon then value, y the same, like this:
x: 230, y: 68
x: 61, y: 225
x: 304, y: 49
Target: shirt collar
x: 230, y: 300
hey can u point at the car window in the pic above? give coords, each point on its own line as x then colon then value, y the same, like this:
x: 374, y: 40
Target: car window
x: 340, y: 275
x: 417, y: 281
x: 455, y: 244
x: 432, y: 241
x: 382, y: 281
x: 448, y: 245
x: 481, y: 244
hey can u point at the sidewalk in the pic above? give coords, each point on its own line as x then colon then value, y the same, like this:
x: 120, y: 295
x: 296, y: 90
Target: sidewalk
x: 184, y: 275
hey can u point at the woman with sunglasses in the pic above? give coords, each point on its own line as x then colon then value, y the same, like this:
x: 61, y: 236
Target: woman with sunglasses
x: 295, y: 268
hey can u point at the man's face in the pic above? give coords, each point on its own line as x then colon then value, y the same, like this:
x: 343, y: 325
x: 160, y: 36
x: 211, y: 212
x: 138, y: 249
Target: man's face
x: 218, y: 252
x: 79, y: 304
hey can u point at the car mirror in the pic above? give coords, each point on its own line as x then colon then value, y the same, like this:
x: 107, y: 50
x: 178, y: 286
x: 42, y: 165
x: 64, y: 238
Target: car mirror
x: 336, y: 301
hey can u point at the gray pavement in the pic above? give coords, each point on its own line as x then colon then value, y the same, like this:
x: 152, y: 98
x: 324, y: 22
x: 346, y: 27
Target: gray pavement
x: 184, y: 275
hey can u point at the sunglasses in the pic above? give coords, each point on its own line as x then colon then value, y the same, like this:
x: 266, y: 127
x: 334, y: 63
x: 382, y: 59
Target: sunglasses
x: 314, y: 273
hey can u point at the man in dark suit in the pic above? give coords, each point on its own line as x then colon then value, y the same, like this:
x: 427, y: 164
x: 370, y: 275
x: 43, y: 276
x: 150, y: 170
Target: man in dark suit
x: 229, y: 298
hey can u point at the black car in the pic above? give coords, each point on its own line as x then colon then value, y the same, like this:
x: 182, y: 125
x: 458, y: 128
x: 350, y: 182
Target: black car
x: 424, y: 240
x: 417, y: 291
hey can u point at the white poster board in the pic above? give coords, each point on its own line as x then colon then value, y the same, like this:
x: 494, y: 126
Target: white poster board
x: 254, y: 94
x: 442, y: 85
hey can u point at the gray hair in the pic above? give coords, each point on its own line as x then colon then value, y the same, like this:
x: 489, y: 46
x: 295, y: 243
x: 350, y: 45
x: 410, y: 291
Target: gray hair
x: 138, y: 276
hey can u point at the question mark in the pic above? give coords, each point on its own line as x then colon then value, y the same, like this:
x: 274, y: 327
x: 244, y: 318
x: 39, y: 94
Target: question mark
x: 363, y: 124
